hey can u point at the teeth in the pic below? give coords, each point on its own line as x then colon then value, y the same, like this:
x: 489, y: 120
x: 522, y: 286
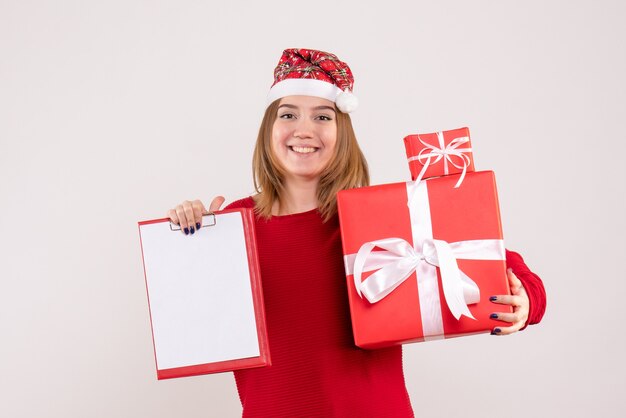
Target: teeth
x: 303, y: 150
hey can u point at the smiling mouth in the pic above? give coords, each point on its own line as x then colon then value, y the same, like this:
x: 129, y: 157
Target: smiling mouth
x: 303, y: 150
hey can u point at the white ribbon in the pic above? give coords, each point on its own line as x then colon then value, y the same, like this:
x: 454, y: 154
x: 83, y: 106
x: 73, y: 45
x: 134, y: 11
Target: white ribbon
x: 445, y: 152
x: 399, y: 259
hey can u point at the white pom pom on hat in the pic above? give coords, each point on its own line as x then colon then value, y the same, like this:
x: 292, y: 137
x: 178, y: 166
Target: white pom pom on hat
x: 309, y: 72
x: 346, y: 101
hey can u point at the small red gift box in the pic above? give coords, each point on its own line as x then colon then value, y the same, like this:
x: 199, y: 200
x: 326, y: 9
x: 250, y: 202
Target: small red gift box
x: 422, y: 259
x: 440, y: 153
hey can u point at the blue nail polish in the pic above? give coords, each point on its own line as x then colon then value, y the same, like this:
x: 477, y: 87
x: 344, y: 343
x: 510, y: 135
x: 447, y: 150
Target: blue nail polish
x: 192, y: 230
x: 497, y: 330
x: 198, y: 226
x: 493, y: 298
x: 186, y: 230
x: 493, y: 316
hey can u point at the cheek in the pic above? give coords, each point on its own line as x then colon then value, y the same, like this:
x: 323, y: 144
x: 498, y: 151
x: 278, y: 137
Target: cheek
x: 278, y: 136
x: 275, y: 140
x: 331, y: 140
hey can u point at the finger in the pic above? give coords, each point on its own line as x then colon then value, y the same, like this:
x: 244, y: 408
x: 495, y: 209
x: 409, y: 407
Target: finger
x: 182, y: 217
x: 519, y: 302
x: 198, y: 210
x: 172, y: 215
x: 216, y: 203
x: 191, y: 222
x: 514, y: 283
x: 508, y: 330
x: 509, y: 317
x: 512, y: 300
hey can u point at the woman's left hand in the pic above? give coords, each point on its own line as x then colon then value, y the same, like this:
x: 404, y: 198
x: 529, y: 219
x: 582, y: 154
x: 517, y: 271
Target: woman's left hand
x: 518, y: 299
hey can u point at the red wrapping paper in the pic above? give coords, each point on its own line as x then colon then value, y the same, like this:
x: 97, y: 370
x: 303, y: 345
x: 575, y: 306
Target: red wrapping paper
x: 469, y: 212
x: 455, y: 162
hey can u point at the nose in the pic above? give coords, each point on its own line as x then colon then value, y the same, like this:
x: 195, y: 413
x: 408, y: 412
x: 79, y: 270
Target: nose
x: 303, y: 128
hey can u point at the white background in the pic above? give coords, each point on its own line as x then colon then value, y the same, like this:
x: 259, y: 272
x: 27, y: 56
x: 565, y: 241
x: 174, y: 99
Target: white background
x: 112, y: 112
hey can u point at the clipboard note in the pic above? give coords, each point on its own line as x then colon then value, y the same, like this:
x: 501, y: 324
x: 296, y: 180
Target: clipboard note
x: 204, y: 295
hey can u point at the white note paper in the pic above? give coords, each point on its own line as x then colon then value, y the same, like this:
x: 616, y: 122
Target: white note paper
x: 200, y: 293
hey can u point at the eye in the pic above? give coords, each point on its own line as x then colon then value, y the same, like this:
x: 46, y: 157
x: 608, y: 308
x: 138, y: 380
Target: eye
x: 324, y: 117
x: 287, y: 116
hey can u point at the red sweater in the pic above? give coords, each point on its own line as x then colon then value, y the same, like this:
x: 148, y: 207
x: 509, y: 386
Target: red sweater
x: 316, y: 370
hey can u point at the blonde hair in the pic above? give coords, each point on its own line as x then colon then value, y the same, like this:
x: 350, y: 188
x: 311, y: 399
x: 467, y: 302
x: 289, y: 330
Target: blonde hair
x: 346, y: 169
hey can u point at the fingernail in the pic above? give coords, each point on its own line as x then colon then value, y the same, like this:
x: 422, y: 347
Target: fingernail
x: 186, y: 231
x: 493, y: 316
x: 198, y: 226
x: 496, y: 331
x: 192, y: 230
x: 493, y: 298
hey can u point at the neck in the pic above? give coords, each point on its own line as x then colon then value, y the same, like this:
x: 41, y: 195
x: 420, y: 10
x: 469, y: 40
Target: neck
x: 300, y: 196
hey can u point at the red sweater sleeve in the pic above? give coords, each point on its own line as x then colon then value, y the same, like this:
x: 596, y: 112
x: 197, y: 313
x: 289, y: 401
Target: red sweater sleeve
x: 533, y: 285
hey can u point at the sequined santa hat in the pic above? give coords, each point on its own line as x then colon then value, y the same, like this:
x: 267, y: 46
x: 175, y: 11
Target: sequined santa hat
x: 308, y: 72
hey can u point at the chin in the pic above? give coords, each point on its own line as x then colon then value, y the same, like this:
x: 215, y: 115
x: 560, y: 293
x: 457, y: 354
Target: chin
x: 304, y: 176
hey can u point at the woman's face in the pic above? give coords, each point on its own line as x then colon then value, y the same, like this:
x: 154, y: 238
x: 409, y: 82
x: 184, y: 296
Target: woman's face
x: 304, y: 135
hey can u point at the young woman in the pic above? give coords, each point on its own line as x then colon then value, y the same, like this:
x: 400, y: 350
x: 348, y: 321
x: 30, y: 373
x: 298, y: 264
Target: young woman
x: 306, y: 151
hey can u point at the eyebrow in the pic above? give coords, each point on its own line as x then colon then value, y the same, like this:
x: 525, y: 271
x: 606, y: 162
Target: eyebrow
x: 315, y: 108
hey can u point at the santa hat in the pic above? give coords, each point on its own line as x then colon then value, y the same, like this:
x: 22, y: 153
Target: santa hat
x: 308, y: 72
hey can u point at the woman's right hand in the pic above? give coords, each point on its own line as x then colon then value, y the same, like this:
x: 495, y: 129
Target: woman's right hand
x: 189, y: 214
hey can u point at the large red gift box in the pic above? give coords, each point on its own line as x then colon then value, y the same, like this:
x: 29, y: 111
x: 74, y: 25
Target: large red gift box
x: 439, y: 154
x: 426, y: 257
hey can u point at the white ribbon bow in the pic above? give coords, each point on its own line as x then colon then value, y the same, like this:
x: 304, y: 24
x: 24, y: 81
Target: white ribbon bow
x: 400, y: 260
x: 445, y: 152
